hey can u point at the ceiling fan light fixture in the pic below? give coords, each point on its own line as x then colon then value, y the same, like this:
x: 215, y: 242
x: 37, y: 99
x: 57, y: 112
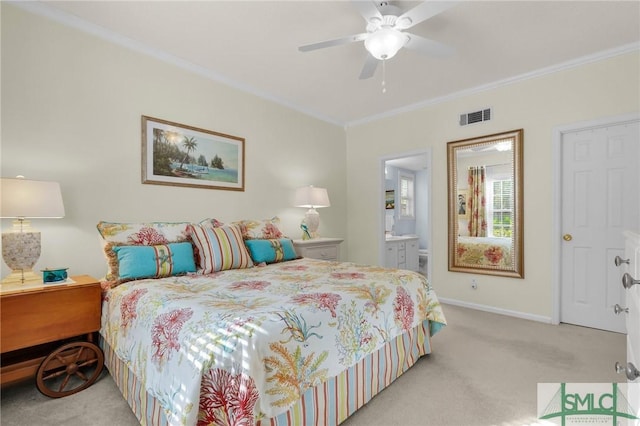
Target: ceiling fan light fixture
x: 404, y: 22
x: 385, y: 43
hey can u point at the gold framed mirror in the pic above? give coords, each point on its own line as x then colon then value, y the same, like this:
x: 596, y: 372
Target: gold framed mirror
x: 485, y: 205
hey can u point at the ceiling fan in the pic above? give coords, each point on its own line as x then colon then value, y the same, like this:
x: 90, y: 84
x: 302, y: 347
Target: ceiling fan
x: 385, y: 35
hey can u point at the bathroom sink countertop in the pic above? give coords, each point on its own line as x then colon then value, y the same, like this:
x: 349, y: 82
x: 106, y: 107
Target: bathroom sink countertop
x: 400, y: 237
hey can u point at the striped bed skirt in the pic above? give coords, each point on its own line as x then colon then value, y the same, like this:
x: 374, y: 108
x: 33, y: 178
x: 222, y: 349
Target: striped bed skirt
x: 329, y: 403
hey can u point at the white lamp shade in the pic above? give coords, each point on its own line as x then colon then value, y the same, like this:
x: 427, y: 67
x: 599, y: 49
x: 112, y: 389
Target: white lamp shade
x: 385, y: 43
x: 23, y: 198
x: 311, y: 197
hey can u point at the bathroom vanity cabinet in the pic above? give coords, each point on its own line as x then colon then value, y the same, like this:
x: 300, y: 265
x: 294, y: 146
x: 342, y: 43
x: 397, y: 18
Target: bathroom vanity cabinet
x: 401, y: 252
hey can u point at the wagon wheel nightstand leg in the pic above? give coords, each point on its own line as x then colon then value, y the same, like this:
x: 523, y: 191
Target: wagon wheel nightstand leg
x: 70, y: 369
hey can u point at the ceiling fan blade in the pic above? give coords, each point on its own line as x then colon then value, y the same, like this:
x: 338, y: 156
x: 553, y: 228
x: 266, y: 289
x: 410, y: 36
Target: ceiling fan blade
x: 429, y: 47
x: 369, y: 68
x: 421, y: 12
x: 335, y: 42
x: 367, y: 9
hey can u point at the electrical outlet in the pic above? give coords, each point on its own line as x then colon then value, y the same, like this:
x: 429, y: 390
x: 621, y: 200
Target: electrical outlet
x: 474, y: 284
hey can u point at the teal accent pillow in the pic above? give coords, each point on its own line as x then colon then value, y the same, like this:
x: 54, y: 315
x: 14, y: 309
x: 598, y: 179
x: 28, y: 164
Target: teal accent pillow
x: 271, y: 251
x: 135, y: 262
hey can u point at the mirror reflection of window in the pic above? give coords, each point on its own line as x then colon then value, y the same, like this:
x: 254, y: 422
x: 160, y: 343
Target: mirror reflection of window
x: 500, y: 205
x: 502, y: 209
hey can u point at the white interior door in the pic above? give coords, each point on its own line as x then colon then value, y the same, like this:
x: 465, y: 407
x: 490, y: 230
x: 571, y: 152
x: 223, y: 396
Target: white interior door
x: 632, y: 315
x: 600, y: 199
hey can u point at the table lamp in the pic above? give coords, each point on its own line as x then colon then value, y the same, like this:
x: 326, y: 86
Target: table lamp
x: 312, y: 198
x: 26, y: 199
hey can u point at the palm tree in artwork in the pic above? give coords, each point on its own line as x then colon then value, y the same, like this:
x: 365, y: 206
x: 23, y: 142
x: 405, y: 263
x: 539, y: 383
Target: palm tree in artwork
x: 190, y: 144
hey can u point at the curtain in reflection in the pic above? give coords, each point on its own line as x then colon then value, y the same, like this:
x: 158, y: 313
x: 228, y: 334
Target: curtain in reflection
x: 476, y: 204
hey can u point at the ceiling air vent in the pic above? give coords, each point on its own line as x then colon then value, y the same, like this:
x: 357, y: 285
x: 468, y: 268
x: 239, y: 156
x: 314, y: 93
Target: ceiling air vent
x: 475, y: 117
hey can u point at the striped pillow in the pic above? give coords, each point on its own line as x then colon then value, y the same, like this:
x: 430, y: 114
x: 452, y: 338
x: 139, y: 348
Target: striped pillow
x: 219, y: 248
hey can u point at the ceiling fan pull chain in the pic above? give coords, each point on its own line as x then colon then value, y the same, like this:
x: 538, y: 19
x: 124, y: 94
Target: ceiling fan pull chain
x: 384, y: 76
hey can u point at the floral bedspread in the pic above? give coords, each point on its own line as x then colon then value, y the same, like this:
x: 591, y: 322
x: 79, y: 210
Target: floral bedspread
x: 484, y: 251
x: 251, y: 341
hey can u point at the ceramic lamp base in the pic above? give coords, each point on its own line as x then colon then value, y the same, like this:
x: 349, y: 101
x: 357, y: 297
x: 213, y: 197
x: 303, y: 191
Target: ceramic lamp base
x: 312, y: 220
x: 22, y: 277
x: 21, y: 251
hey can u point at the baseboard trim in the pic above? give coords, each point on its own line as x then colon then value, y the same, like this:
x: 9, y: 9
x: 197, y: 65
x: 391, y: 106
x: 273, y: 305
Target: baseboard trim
x: 493, y: 309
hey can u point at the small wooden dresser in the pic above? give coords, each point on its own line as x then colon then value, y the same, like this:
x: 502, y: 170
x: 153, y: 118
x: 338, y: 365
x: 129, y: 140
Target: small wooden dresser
x: 38, y: 318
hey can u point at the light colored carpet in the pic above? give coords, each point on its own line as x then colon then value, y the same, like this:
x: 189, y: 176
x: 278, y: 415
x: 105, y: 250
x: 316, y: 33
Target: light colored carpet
x: 483, y: 371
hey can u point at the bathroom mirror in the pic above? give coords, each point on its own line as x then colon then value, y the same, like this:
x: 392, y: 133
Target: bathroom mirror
x: 485, y: 205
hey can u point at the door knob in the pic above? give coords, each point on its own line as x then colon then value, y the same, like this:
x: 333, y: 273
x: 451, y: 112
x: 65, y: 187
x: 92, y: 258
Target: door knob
x: 619, y: 261
x: 628, y: 281
x: 567, y: 237
x: 630, y: 371
x: 617, y: 309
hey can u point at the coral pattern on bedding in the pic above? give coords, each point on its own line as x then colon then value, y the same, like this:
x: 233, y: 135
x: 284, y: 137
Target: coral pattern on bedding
x: 252, y: 341
x: 260, y: 229
x: 485, y: 251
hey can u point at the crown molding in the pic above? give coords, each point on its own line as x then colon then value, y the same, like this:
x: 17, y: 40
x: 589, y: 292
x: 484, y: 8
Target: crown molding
x: 574, y: 63
x: 42, y: 9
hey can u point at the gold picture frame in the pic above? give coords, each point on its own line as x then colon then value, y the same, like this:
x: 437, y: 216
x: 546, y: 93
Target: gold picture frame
x: 179, y: 155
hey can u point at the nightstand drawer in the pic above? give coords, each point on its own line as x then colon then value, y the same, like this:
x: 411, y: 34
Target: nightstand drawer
x: 319, y: 248
x: 322, y: 253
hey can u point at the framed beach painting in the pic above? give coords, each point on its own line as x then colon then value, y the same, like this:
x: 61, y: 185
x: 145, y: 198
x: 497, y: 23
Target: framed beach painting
x: 180, y: 155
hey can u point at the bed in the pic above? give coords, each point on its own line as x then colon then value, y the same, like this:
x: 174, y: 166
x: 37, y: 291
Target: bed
x: 287, y: 341
x: 485, y: 251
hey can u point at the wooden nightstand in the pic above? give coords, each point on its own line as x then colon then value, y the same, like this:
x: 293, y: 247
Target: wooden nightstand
x: 319, y: 248
x: 47, y: 330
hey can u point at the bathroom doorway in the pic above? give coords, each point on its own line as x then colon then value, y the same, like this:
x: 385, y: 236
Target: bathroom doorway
x: 406, y: 211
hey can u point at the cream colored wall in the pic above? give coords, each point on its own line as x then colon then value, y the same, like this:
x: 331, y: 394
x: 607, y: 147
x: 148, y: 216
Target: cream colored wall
x: 601, y: 89
x: 71, y: 112
x: 71, y: 107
